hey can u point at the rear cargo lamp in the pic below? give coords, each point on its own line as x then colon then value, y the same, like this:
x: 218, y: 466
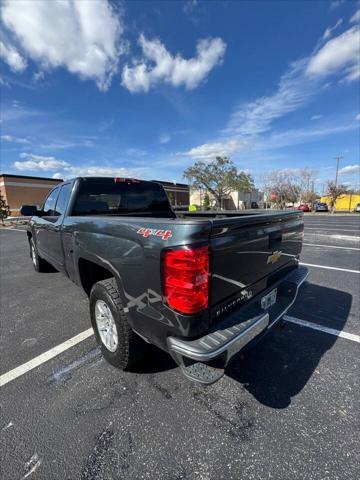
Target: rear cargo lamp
x: 126, y: 180
x: 186, y: 279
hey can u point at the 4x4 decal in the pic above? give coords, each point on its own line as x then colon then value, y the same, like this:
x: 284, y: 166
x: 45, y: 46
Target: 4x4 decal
x: 146, y: 232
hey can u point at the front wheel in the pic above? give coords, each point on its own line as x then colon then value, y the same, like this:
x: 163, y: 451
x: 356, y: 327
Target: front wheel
x: 119, y: 343
x: 39, y: 263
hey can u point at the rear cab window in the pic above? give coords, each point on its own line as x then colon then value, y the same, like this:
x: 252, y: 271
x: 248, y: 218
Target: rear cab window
x: 123, y: 198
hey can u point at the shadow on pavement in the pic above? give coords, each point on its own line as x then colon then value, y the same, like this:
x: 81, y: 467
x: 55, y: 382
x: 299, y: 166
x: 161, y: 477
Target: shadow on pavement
x: 279, y: 366
x: 154, y: 361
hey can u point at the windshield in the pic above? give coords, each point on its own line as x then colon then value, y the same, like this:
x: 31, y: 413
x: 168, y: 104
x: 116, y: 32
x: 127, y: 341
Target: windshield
x: 121, y: 199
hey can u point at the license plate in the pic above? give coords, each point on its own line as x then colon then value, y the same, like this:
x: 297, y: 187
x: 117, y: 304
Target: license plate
x: 268, y: 300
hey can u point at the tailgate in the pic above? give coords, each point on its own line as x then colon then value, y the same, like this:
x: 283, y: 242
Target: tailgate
x: 247, y: 252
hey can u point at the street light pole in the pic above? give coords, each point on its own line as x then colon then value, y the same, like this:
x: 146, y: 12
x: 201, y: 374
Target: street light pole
x: 337, y: 168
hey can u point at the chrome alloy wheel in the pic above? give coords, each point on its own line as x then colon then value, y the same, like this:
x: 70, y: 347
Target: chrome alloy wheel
x: 106, y: 325
x: 33, y: 254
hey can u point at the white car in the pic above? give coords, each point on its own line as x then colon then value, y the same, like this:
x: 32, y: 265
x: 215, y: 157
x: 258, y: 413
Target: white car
x: 357, y: 208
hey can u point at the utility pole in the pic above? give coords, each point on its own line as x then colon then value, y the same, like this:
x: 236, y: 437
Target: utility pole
x: 338, y: 158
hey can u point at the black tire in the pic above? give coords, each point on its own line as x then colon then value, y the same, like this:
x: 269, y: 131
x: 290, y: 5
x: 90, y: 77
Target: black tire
x: 39, y: 264
x: 130, y: 348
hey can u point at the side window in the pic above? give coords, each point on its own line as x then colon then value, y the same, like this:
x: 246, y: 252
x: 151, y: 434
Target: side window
x: 62, y: 200
x: 49, y: 205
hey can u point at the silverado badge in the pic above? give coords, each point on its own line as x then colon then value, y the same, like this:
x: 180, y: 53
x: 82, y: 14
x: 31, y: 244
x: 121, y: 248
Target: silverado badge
x: 274, y: 257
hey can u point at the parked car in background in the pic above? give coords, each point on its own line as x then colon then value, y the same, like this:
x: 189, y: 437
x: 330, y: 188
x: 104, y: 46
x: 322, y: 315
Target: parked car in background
x: 254, y: 205
x: 357, y: 208
x: 321, y: 207
x: 304, y: 208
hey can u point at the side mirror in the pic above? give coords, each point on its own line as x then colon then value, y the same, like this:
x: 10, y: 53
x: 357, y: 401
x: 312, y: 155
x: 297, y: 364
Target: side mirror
x: 29, y: 210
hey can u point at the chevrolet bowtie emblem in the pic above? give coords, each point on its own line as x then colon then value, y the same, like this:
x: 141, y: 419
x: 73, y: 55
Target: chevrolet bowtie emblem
x: 274, y: 257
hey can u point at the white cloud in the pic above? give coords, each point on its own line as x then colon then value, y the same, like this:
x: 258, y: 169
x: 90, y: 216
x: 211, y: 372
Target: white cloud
x: 82, y: 36
x: 65, y: 144
x: 340, y: 54
x: 357, y: 116
x: 208, y: 151
x: 256, y: 117
x: 12, y: 57
x: 335, y: 4
x: 94, y: 171
x: 350, y: 169
x: 190, y: 5
x: 164, y: 138
x: 11, y: 139
x: 64, y: 169
x: 159, y: 65
x: 135, y: 152
x: 57, y: 176
x: 316, y: 117
x: 39, y: 162
x: 301, y: 82
x: 356, y: 17
x: 328, y: 32
x: 300, y: 135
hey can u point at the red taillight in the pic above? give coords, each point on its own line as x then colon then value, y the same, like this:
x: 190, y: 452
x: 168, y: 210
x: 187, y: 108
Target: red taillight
x: 186, y: 279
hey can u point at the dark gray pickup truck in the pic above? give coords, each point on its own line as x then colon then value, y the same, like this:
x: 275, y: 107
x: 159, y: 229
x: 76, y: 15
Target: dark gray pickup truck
x: 201, y: 286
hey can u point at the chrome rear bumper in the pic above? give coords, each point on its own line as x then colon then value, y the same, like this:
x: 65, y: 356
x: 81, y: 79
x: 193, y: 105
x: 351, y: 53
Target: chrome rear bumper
x: 231, y: 334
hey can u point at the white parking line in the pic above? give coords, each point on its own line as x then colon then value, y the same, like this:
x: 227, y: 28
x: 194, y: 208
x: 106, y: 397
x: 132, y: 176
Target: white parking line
x: 317, y: 222
x: 334, y: 229
x: 329, y: 246
x: 331, y: 235
x: 329, y: 268
x: 44, y: 357
x: 315, y: 326
x: 13, y: 229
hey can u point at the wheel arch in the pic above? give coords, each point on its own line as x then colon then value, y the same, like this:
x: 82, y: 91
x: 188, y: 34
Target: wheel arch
x: 92, y: 270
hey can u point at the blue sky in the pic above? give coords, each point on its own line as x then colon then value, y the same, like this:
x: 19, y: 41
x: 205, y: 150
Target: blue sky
x: 144, y: 89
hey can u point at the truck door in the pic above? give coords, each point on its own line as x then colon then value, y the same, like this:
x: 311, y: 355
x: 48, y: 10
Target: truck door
x: 55, y: 233
x: 44, y: 223
x: 48, y: 233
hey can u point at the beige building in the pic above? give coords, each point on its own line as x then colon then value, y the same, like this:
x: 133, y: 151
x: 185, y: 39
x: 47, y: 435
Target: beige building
x: 18, y: 190
x: 233, y: 201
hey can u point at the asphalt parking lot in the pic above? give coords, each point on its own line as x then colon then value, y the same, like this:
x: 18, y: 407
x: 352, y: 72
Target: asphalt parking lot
x: 287, y: 409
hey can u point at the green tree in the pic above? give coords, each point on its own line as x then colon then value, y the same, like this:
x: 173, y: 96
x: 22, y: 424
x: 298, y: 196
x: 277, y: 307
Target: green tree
x: 219, y: 177
x: 334, y: 192
x: 4, y: 209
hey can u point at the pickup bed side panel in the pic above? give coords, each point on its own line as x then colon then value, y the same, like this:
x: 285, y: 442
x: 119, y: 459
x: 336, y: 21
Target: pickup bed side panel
x: 134, y: 257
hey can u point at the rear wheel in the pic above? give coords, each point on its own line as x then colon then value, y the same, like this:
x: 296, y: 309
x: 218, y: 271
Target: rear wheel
x: 119, y: 343
x: 39, y: 263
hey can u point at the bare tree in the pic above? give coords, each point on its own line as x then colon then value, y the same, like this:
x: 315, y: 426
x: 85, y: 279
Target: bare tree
x: 306, y: 180
x: 334, y: 192
x: 283, y: 184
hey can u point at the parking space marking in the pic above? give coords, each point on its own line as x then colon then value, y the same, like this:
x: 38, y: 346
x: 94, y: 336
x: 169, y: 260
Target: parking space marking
x: 353, y: 224
x: 315, y: 326
x: 329, y: 246
x: 13, y: 229
x: 334, y: 229
x: 336, y: 237
x: 329, y: 268
x: 44, y: 357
